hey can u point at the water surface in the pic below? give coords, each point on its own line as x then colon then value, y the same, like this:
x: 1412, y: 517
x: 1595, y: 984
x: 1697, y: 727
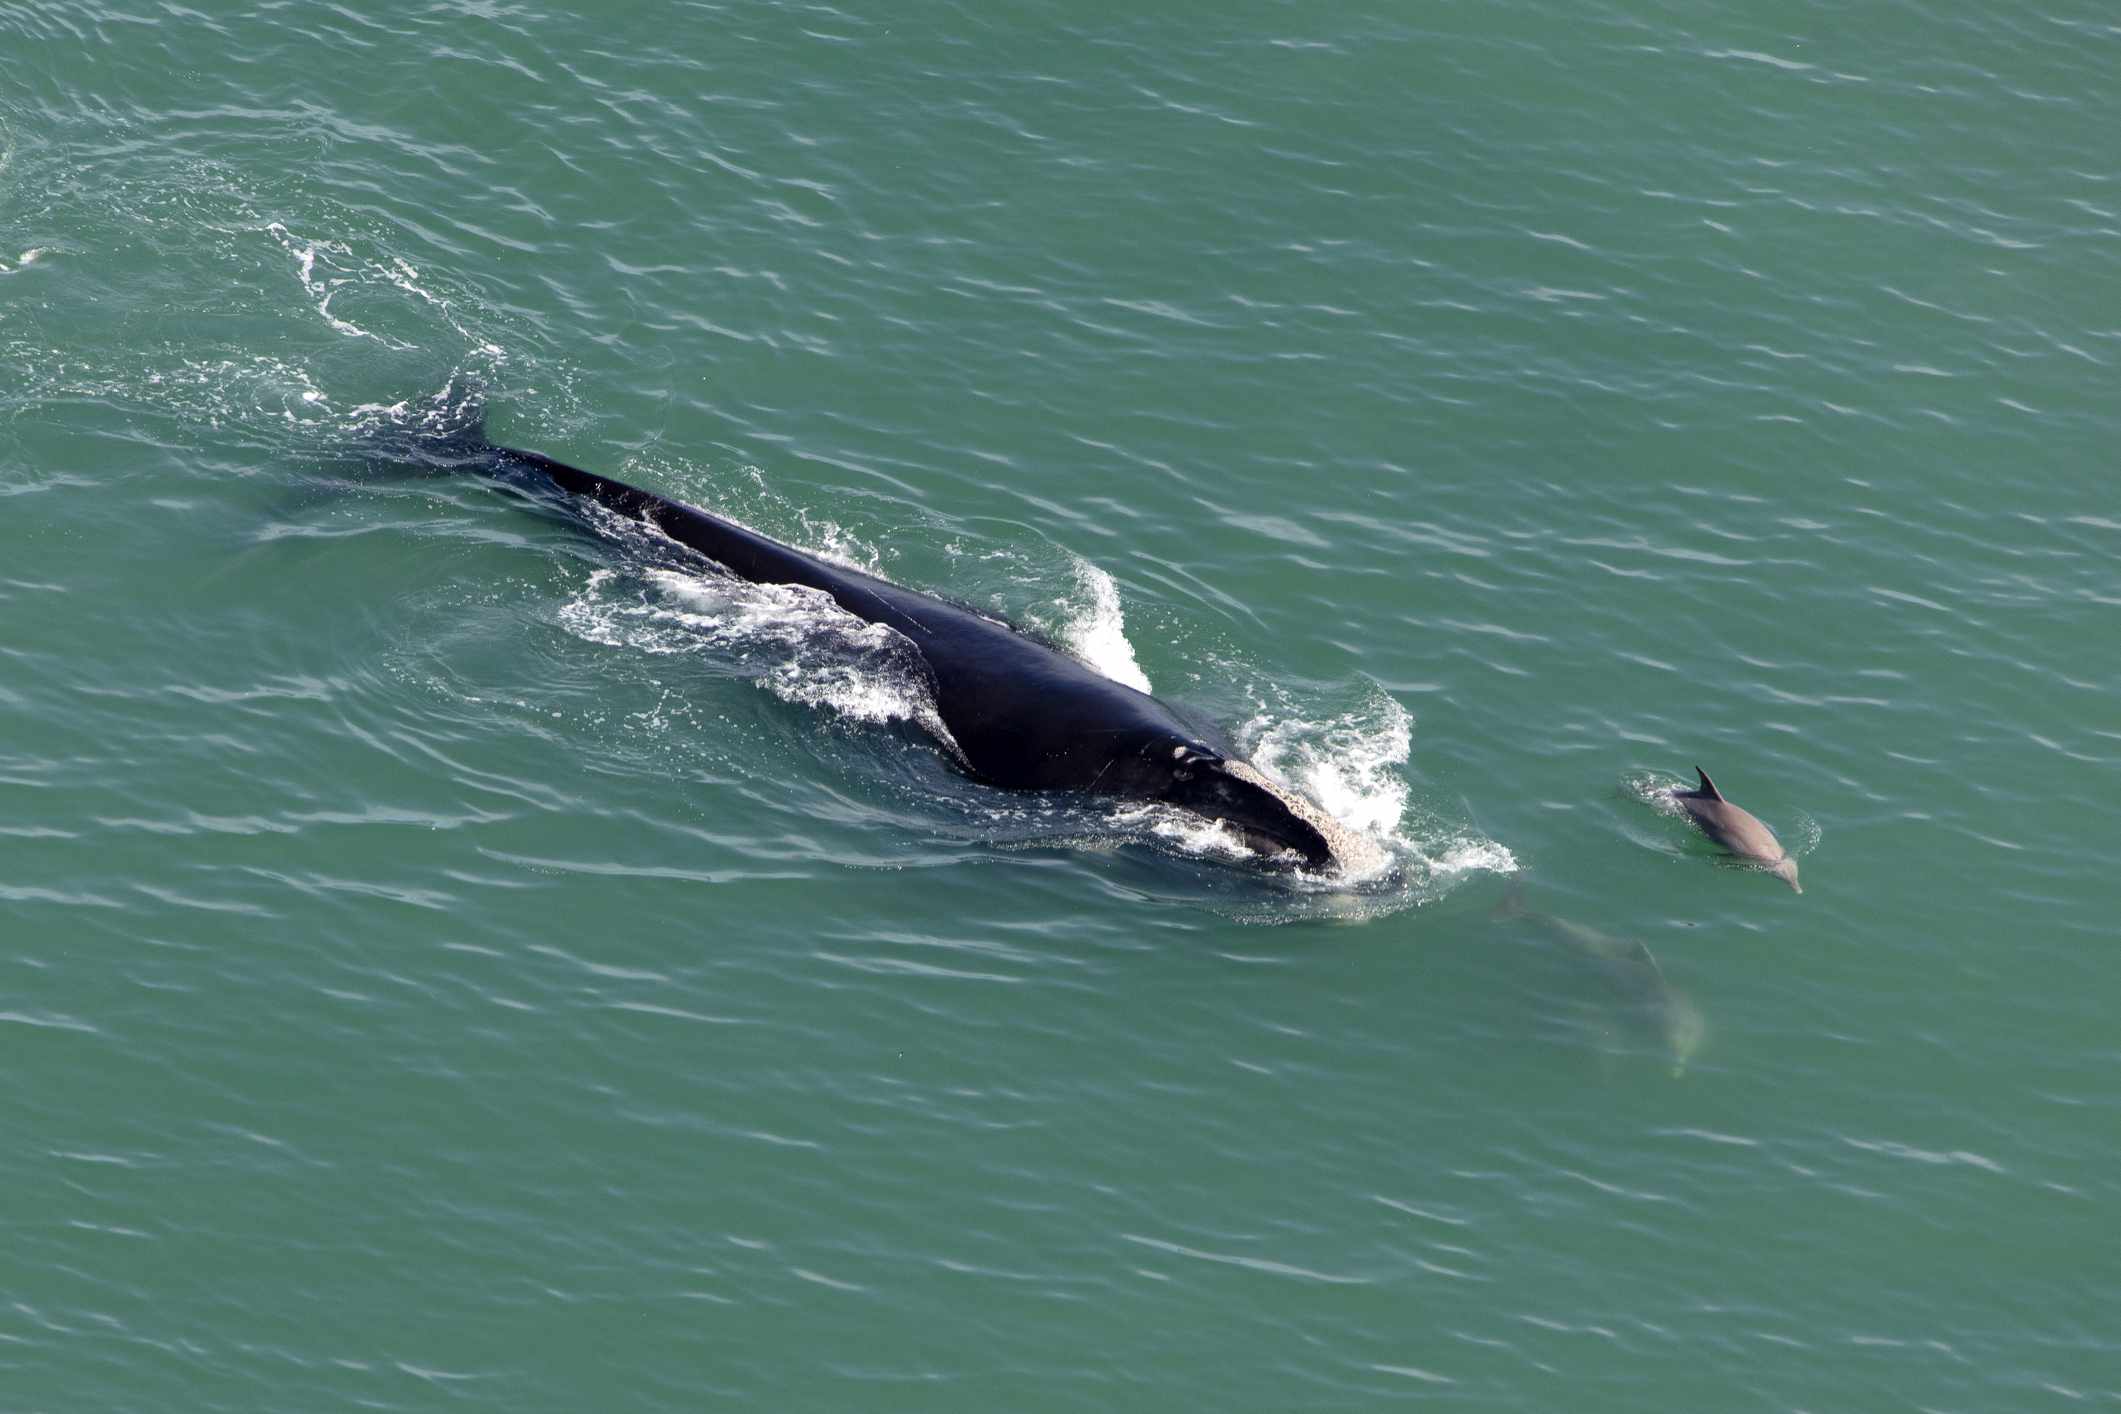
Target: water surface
x: 447, y: 958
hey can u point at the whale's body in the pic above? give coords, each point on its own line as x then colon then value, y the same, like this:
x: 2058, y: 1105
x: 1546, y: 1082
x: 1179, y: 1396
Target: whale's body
x: 1019, y: 714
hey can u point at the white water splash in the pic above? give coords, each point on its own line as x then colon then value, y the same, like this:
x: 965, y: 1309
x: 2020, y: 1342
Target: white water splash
x: 1349, y: 764
x: 833, y: 542
x: 795, y: 642
x: 1094, y: 628
x: 1181, y: 831
x: 1472, y: 856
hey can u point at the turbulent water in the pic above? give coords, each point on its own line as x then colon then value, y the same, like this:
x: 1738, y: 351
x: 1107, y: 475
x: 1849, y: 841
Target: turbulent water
x: 451, y: 958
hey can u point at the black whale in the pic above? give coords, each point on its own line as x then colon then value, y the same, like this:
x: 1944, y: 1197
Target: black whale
x: 1023, y: 716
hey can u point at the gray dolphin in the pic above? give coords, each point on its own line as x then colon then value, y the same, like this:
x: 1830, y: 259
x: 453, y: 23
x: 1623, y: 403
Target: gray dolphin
x: 1628, y: 971
x: 1736, y: 830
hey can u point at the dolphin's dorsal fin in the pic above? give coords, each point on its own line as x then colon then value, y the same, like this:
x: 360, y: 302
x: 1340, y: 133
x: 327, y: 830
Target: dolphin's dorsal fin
x: 1708, y: 787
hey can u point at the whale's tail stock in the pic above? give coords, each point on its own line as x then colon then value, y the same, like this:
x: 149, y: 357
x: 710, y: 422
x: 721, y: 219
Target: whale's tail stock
x: 441, y: 433
x: 437, y: 435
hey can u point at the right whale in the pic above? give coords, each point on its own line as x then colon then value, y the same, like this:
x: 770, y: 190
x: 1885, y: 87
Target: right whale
x: 1016, y: 713
x: 1736, y: 829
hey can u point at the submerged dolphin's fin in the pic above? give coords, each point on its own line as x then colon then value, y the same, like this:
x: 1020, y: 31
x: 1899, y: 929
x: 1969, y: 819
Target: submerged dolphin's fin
x: 1708, y: 787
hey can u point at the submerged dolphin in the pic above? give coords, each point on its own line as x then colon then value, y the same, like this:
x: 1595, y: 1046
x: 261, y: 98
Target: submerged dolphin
x: 1626, y: 968
x: 1018, y: 714
x: 1736, y: 830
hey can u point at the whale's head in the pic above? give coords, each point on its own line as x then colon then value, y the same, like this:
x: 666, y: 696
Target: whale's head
x: 1268, y: 819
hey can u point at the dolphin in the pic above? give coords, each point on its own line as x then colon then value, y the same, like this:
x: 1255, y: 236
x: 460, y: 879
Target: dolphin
x: 1626, y: 968
x: 1016, y: 713
x: 1736, y: 829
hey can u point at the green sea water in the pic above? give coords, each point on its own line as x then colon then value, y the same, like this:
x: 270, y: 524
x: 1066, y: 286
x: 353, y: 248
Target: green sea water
x: 451, y: 961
